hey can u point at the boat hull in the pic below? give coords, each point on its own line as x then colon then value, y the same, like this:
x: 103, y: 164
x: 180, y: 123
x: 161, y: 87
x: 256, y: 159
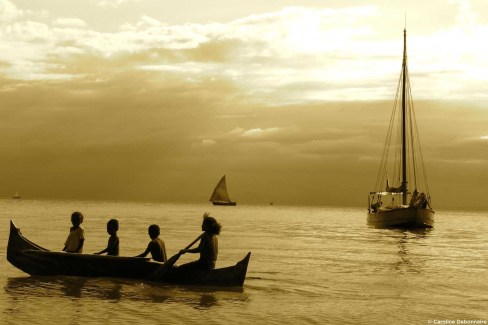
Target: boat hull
x: 230, y: 203
x: 402, y: 217
x: 36, y: 260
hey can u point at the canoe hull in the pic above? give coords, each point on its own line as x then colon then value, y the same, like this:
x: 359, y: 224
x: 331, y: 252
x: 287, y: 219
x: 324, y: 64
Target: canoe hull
x: 36, y: 260
x: 230, y: 203
x: 402, y: 217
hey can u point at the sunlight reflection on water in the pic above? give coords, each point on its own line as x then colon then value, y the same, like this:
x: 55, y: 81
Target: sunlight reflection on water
x: 308, y: 265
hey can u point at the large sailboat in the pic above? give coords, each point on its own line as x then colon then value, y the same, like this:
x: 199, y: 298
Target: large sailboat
x: 220, y: 195
x: 405, y: 202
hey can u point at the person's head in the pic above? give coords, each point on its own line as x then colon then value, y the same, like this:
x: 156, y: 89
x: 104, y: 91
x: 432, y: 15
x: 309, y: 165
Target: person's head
x: 112, y: 226
x: 153, y: 231
x: 76, y: 218
x: 210, y: 225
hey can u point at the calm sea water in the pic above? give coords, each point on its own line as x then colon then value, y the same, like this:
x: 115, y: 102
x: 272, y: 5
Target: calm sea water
x: 314, y: 265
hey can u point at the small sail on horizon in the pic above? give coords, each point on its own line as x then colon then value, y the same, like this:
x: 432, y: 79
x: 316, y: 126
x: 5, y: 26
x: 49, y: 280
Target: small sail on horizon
x: 16, y: 195
x: 220, y: 196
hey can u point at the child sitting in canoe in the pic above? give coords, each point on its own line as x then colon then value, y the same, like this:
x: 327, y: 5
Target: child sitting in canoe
x: 156, y: 245
x: 76, y: 237
x: 113, y: 240
x: 208, y: 247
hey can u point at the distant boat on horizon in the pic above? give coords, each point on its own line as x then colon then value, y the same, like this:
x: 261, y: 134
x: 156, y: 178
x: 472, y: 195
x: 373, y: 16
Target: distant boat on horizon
x: 395, y: 206
x: 16, y: 195
x: 220, y: 196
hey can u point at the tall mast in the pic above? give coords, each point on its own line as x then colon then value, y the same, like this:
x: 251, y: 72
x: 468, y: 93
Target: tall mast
x: 404, y: 128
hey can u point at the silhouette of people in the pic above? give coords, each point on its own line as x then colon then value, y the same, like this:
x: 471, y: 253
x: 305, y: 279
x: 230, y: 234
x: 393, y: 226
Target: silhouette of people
x: 376, y: 206
x: 208, y: 247
x: 156, y: 245
x: 419, y: 200
x: 76, y: 238
x: 424, y: 203
x: 113, y: 240
x: 415, y: 196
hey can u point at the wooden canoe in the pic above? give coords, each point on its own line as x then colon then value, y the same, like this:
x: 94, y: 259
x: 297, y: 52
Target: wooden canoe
x: 36, y: 260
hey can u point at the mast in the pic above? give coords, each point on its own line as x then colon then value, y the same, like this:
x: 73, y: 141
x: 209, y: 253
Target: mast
x: 404, y: 127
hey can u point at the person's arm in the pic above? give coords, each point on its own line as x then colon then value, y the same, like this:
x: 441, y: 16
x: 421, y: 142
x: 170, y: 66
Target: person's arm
x: 80, y: 245
x: 101, y: 252
x: 66, y: 243
x: 148, y: 249
x: 112, y: 243
x: 194, y: 250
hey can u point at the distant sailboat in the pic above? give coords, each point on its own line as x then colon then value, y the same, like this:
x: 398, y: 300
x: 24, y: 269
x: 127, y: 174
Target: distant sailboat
x: 394, y: 206
x: 16, y: 195
x: 220, y: 195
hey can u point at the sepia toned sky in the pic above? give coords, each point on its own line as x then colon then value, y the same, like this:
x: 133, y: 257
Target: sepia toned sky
x: 156, y: 100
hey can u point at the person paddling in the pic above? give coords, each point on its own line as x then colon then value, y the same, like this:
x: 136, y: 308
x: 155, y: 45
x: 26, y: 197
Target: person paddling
x: 208, y: 247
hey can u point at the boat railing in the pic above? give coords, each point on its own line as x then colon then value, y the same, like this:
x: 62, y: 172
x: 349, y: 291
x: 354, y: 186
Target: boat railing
x: 375, y: 202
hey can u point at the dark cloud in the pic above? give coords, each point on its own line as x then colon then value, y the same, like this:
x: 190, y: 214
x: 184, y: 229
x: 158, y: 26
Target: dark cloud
x: 141, y: 135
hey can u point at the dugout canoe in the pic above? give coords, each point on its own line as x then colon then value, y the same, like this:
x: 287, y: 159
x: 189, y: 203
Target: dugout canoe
x: 36, y: 260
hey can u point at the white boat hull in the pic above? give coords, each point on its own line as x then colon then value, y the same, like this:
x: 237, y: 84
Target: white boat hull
x: 402, y: 217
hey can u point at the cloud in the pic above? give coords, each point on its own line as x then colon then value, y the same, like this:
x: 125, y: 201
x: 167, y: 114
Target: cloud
x: 258, y: 132
x: 69, y: 23
x: 138, y: 133
x: 9, y: 12
x: 208, y: 142
x: 291, y: 55
x: 111, y: 4
x: 299, y: 92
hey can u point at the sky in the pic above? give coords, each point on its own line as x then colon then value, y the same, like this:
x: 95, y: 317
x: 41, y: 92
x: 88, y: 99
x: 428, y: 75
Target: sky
x: 156, y: 100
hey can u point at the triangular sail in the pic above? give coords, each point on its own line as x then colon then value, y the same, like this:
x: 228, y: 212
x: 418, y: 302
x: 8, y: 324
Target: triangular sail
x: 220, y: 192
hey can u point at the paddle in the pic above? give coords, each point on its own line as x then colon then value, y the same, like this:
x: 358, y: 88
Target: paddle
x: 161, y: 271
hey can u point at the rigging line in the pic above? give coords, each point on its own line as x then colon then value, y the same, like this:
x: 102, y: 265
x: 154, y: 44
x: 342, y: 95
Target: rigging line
x: 426, y: 183
x: 384, y: 157
x: 420, y: 162
x: 392, y: 126
x: 393, y: 123
x: 410, y: 109
x: 398, y: 146
x: 415, y: 143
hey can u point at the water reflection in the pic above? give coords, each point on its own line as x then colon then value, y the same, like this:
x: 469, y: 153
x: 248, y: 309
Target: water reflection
x: 207, y: 301
x: 72, y: 287
x: 406, y: 239
x: 115, y: 290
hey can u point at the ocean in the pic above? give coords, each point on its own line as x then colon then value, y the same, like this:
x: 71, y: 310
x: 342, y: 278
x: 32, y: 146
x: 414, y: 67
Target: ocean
x: 309, y: 265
